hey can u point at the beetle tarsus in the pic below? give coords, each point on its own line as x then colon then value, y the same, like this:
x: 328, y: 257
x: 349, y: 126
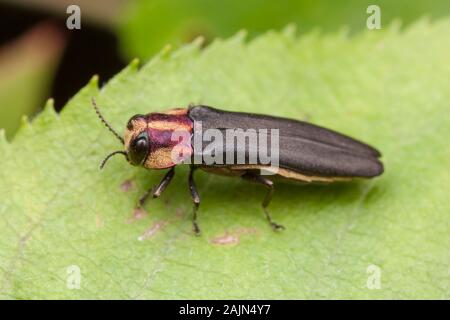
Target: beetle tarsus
x: 275, y: 226
x: 195, y: 228
x: 196, y: 198
x: 194, y: 218
x: 143, y: 198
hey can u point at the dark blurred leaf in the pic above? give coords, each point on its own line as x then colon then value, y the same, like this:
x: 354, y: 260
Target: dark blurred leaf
x: 26, y: 69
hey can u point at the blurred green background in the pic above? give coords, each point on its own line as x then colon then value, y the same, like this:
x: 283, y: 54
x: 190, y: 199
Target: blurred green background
x: 41, y: 58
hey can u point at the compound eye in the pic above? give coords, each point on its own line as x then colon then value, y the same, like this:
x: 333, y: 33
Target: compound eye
x: 139, y: 149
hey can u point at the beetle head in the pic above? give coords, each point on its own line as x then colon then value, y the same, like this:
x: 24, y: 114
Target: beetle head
x: 137, y: 142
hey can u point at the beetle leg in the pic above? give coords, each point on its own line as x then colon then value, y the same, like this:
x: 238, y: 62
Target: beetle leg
x: 158, y: 189
x: 269, y: 184
x: 195, y: 198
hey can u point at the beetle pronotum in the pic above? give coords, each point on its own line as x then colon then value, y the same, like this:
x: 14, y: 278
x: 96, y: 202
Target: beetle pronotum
x: 305, y: 152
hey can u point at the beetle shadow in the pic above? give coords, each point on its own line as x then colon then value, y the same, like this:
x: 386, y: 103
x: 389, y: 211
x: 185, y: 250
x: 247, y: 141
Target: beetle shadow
x: 301, y: 196
x: 338, y: 193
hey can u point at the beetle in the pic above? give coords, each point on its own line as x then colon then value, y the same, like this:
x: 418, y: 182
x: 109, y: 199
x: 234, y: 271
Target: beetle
x: 306, y: 152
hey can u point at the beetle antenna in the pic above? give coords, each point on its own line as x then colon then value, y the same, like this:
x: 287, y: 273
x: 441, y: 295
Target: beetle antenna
x: 105, y: 122
x: 110, y: 155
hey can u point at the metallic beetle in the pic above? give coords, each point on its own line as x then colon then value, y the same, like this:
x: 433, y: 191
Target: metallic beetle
x: 307, y: 152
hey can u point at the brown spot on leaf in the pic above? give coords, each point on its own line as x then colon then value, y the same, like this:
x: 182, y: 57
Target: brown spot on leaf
x: 244, y: 230
x: 232, y: 238
x: 157, y: 226
x: 98, y: 221
x: 127, y: 185
x: 179, y: 213
x: 225, y: 239
x: 138, y: 214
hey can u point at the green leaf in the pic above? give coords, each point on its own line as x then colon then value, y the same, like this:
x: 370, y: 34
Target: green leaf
x: 388, y: 88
